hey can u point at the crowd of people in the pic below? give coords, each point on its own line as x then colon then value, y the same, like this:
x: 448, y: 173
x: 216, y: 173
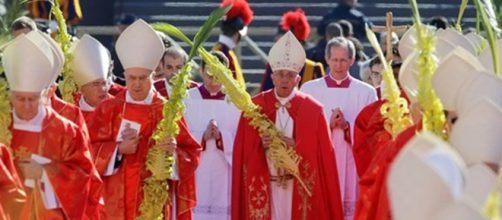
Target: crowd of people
x: 329, y: 103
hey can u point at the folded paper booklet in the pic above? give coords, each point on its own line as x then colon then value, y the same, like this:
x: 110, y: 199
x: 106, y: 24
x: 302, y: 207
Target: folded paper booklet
x: 124, y: 124
x: 127, y: 124
x: 47, y: 190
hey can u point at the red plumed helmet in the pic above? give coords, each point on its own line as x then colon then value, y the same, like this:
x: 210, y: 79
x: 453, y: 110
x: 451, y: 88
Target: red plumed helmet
x: 240, y: 9
x: 296, y: 22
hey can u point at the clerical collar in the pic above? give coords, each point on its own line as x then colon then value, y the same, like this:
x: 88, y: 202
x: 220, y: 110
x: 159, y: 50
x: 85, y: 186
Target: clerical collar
x: 33, y: 125
x: 285, y: 100
x: 146, y: 101
x: 84, y: 106
x: 207, y: 95
x: 333, y: 83
x: 227, y: 41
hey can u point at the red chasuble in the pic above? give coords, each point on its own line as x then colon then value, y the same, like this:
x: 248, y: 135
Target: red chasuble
x: 11, y: 189
x: 370, y: 134
x: 72, y: 112
x: 123, y: 192
x: 373, y: 202
x: 71, y: 171
x: 251, y: 179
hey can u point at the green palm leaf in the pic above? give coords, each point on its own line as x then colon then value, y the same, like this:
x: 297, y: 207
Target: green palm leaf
x: 172, y: 30
x: 488, y: 20
x: 461, y: 11
x: 205, y: 31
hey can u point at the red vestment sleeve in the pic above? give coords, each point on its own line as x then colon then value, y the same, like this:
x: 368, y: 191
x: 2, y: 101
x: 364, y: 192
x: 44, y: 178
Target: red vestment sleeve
x: 72, y: 176
x: 329, y: 171
x: 188, y: 153
x: 373, y: 200
x: 102, y: 138
x: 369, y: 136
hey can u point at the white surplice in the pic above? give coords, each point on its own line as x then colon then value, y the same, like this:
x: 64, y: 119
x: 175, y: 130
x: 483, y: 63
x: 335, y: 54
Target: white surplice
x: 282, y: 196
x: 213, y: 175
x: 351, y: 100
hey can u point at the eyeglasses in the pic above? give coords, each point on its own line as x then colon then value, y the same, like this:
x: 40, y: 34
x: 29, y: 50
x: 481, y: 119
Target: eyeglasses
x: 375, y: 74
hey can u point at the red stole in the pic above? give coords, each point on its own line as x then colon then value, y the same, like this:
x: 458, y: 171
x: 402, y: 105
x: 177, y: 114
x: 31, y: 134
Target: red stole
x: 251, y: 178
x: 124, y: 189
x: 373, y: 202
x: 71, y: 171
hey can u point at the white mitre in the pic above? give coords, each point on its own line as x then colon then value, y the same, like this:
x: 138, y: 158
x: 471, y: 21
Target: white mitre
x: 28, y: 63
x: 139, y: 46
x: 91, y: 60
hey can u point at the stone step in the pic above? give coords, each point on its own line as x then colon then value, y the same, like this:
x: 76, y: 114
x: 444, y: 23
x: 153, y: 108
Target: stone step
x: 190, y: 14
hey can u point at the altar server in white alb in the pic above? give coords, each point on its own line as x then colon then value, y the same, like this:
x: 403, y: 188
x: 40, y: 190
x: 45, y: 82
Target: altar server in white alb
x: 343, y: 98
x: 212, y: 120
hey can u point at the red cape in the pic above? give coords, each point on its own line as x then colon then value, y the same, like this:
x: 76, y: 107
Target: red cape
x: 373, y: 200
x: 370, y: 134
x: 251, y: 179
x: 72, y: 112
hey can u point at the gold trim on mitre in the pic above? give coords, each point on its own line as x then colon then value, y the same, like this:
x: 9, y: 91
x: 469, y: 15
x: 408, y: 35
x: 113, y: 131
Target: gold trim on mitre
x: 287, y: 54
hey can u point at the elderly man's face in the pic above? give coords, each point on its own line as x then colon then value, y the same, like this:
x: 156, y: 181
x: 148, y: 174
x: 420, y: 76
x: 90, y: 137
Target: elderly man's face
x: 94, y: 92
x: 25, y: 104
x: 138, y: 82
x: 285, y: 81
